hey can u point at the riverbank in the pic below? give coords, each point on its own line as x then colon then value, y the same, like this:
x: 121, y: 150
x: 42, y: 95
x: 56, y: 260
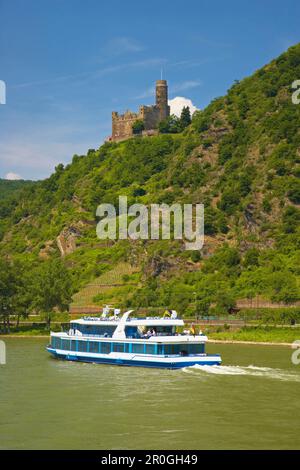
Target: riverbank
x: 23, y: 336
x: 274, y: 335
x: 27, y: 331
x: 26, y: 334
x: 253, y: 343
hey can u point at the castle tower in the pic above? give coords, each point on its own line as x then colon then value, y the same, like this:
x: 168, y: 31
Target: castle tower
x: 162, y: 99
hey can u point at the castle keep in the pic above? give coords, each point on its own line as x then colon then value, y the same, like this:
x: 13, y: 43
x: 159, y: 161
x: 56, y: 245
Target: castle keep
x: 150, y: 115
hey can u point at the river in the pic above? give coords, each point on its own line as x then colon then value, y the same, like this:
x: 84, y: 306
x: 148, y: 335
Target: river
x: 250, y: 402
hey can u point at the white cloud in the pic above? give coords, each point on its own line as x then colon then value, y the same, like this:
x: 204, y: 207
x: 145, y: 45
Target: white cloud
x: 12, y: 176
x: 178, y: 103
x: 187, y: 85
x: 121, y: 45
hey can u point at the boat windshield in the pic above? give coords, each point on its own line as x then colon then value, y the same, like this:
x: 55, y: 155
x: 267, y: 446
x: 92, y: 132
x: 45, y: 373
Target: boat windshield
x: 164, y: 330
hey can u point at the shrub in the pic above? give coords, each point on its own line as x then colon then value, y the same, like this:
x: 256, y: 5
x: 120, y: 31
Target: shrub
x: 294, y: 192
x: 138, y: 126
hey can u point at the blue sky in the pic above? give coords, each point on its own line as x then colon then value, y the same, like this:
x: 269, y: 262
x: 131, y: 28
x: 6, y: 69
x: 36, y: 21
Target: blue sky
x: 68, y: 63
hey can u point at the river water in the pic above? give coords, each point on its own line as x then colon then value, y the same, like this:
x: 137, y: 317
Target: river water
x: 251, y: 402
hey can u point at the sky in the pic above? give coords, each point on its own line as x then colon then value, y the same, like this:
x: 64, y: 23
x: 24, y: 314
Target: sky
x: 67, y: 64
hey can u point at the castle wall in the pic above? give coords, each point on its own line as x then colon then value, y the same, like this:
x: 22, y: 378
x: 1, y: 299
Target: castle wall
x: 122, y: 125
x: 150, y: 115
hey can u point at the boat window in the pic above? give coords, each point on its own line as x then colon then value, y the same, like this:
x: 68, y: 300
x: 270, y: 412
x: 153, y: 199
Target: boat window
x: 166, y: 330
x: 138, y: 348
x: 93, y: 346
x: 160, y: 349
x: 73, y: 345
x: 65, y: 344
x: 163, y: 330
x: 150, y: 349
x: 82, y: 346
x: 183, y: 349
x: 118, y: 347
x: 172, y: 348
x: 132, y: 332
x: 195, y: 348
x: 95, y: 330
x: 105, y: 348
x: 55, y: 342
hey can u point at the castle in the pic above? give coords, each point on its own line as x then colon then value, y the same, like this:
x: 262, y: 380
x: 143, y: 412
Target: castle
x: 151, y: 116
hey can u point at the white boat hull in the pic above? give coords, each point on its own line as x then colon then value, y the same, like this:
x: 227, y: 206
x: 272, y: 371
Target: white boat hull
x: 138, y: 360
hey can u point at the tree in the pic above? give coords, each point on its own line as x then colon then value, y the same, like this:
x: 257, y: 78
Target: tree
x: 24, y: 292
x: 16, y: 292
x: 195, y: 256
x: 225, y: 302
x: 251, y: 257
x: 170, y: 125
x: 202, y: 306
x: 294, y: 191
x: 230, y: 200
x: 185, y: 117
x: 284, y: 287
x: 52, y: 288
x: 291, y: 219
x: 7, y: 292
x: 138, y: 126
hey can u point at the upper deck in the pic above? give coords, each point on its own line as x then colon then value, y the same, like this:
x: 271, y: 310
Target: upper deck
x: 153, y: 329
x: 132, y: 321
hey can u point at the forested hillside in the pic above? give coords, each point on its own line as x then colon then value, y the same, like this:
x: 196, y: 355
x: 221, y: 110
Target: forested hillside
x: 8, y: 187
x: 240, y: 157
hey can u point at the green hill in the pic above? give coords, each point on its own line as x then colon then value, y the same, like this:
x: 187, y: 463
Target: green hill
x: 240, y: 157
x: 8, y: 187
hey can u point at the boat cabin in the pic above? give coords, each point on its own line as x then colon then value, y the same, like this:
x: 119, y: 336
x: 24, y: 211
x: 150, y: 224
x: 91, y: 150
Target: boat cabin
x: 131, y: 331
x: 135, y: 328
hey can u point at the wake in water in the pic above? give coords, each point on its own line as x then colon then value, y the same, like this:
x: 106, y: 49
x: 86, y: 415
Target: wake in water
x: 266, y: 372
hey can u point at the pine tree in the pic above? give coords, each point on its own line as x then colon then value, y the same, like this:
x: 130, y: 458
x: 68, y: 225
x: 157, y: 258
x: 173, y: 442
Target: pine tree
x: 185, y: 117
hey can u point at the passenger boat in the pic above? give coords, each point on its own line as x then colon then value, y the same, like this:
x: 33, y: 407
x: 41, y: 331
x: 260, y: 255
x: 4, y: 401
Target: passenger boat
x: 128, y: 341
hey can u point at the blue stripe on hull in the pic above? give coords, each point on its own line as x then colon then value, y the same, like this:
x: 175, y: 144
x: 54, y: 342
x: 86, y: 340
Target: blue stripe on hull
x: 125, y: 362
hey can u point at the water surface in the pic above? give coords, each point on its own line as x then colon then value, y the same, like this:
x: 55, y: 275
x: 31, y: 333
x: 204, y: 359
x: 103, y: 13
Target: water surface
x: 251, y: 402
